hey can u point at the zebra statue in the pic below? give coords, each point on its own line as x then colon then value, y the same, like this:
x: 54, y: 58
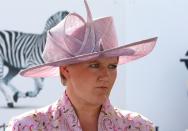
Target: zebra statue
x: 20, y: 50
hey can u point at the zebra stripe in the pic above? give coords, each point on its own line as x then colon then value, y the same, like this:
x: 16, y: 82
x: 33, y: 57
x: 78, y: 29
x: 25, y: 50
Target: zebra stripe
x: 15, y: 45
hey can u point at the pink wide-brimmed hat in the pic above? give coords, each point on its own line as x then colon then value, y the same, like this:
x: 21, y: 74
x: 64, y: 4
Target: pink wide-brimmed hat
x: 75, y: 40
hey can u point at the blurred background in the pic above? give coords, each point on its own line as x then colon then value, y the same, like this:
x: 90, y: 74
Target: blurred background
x: 155, y: 86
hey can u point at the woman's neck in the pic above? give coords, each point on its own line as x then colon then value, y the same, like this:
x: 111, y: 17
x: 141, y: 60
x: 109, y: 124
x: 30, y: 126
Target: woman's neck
x: 88, y: 117
x: 83, y: 108
x: 87, y: 113
x: 90, y: 111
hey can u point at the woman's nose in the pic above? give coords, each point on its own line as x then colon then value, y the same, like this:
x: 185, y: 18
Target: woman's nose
x: 104, y: 74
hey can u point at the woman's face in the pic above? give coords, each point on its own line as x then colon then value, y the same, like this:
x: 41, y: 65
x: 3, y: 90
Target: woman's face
x: 91, y: 82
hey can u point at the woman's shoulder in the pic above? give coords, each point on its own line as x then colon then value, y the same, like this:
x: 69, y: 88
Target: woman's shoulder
x: 134, y: 120
x: 31, y: 120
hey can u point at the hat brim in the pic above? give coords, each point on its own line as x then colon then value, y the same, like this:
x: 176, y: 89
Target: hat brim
x: 126, y: 54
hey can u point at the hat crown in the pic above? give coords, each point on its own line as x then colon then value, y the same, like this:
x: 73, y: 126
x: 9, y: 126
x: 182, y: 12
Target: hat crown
x: 74, y: 36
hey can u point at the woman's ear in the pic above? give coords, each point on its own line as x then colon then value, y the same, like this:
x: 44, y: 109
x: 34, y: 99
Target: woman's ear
x: 64, y: 74
x: 64, y: 71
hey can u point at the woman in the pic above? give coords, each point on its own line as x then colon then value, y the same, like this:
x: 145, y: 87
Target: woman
x: 85, y: 55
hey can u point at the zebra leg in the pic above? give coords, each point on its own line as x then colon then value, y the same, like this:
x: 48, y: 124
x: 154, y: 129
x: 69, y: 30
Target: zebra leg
x: 11, y: 74
x: 7, y: 97
x: 38, y: 87
x: 3, y: 87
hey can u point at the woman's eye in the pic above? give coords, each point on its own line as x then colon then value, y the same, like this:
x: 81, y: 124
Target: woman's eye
x: 94, y: 65
x: 112, y: 66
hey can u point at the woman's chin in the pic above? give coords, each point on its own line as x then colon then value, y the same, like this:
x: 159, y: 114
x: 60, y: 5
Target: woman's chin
x: 100, y: 100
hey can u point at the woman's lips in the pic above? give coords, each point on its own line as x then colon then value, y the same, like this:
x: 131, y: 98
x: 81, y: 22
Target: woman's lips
x: 102, y: 87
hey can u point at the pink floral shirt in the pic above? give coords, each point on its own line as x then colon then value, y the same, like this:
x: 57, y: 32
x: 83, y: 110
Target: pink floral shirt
x: 61, y: 116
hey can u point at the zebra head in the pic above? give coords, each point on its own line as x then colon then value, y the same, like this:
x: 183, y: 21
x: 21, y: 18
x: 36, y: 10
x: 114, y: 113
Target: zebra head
x: 55, y: 19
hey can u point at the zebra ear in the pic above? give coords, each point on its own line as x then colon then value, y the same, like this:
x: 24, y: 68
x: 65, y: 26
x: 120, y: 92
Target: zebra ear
x: 55, y: 19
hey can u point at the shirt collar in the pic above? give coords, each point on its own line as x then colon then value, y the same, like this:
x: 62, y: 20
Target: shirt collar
x: 65, y: 105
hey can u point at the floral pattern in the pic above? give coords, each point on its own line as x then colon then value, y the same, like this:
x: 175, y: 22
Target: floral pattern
x: 61, y: 116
